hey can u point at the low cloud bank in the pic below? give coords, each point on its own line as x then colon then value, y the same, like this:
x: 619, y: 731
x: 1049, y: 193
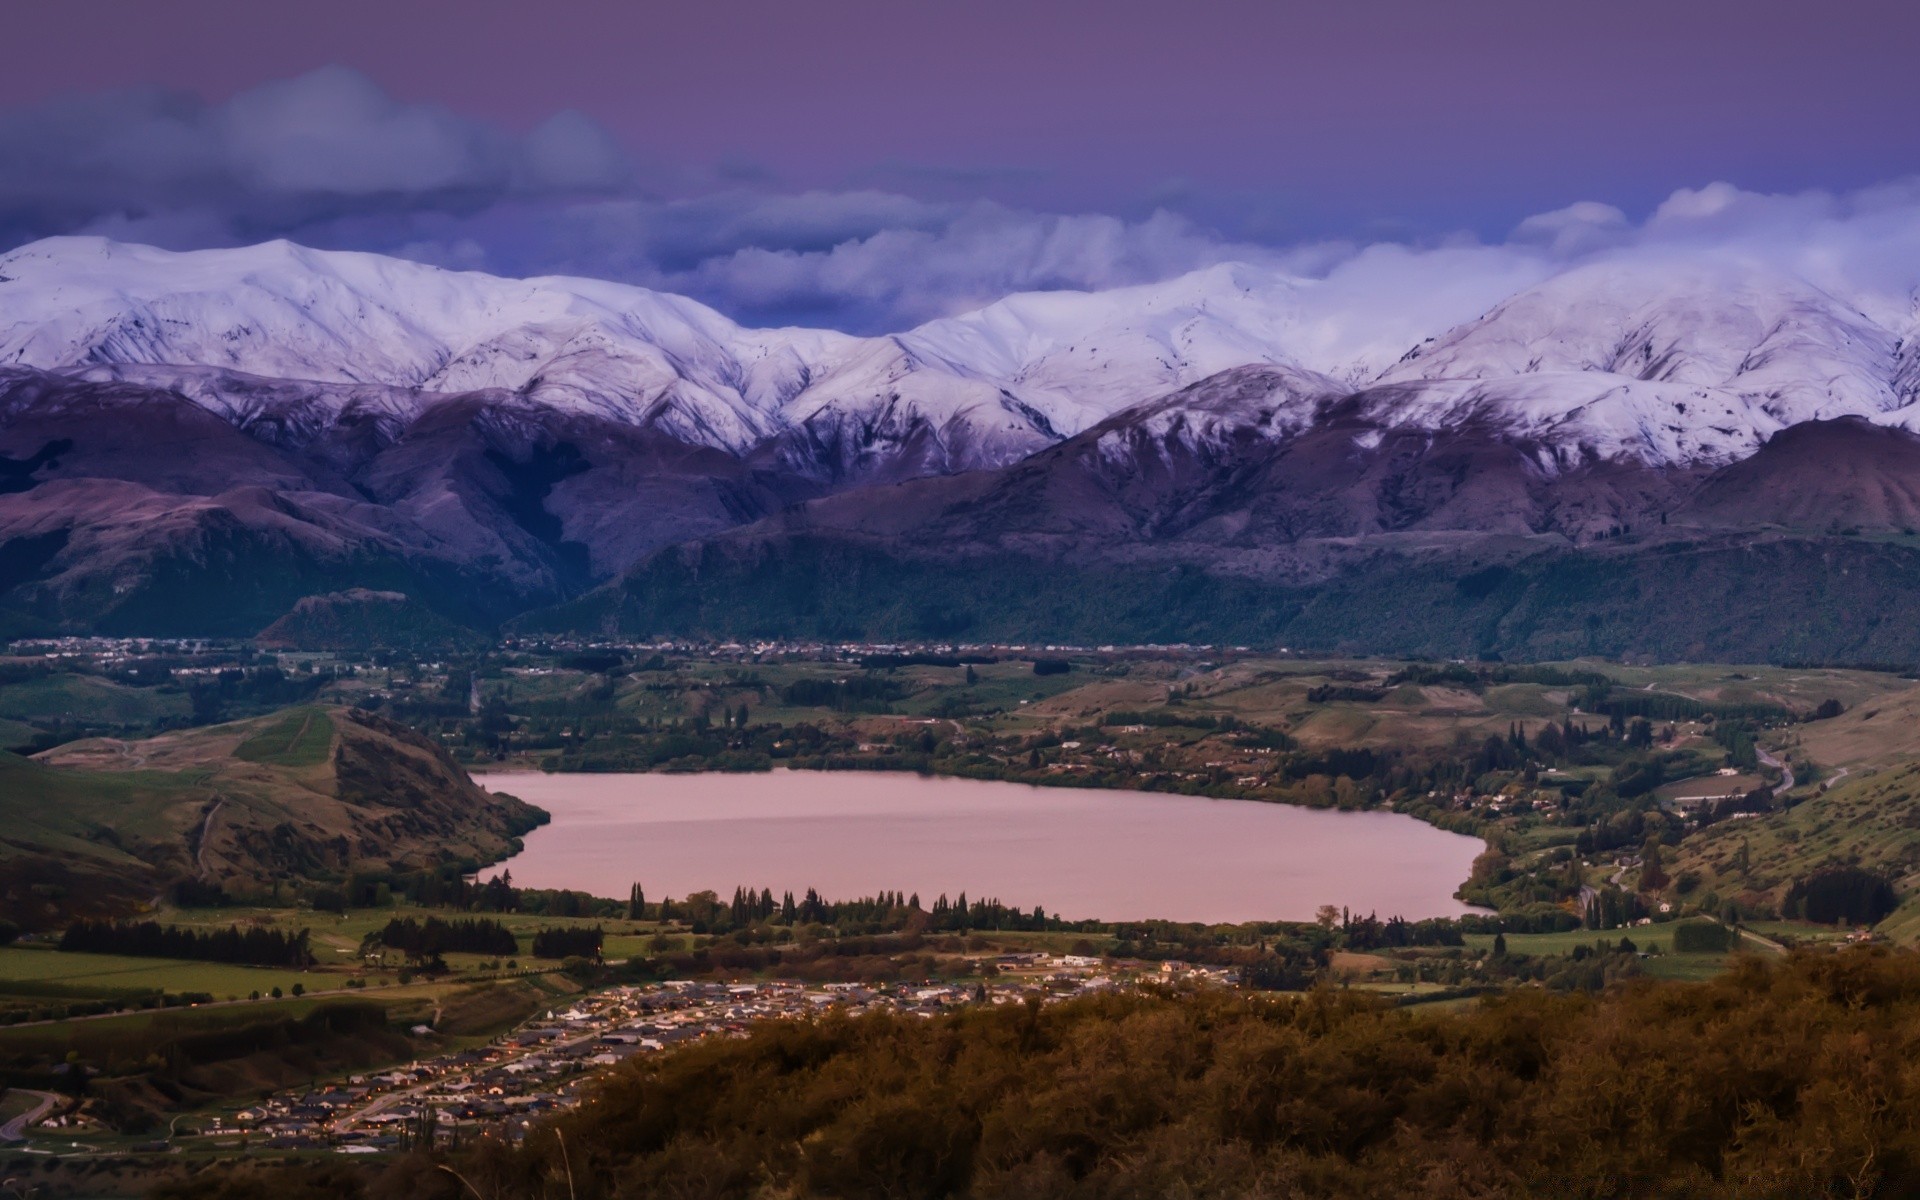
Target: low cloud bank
x: 331, y: 160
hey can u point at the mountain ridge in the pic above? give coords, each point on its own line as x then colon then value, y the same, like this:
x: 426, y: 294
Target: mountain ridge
x: 492, y: 447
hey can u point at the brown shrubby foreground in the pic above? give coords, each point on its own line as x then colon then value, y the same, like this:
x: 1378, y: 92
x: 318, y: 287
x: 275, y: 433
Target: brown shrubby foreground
x: 1794, y: 1079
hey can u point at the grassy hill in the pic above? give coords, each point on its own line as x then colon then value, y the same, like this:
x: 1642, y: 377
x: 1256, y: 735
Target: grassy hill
x: 1874, y: 731
x: 361, y: 619
x: 1872, y: 822
x: 309, y: 793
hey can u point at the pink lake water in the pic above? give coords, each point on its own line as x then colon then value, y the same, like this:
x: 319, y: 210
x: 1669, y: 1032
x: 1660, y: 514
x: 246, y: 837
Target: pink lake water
x: 1110, y: 855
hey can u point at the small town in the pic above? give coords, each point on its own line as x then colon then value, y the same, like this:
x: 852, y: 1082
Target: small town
x: 545, y: 1064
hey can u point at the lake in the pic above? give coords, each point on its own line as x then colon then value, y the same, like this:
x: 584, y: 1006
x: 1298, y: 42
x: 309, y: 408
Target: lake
x: 1082, y: 853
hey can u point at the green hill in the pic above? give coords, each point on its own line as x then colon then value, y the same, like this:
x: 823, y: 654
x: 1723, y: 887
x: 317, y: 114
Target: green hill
x: 1870, y: 822
x: 309, y: 793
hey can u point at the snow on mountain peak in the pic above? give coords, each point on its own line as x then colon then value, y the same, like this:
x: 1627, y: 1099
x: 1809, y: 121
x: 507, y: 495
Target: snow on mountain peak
x: 1686, y: 360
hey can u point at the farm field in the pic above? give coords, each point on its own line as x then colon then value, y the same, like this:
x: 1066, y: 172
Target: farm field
x: 106, y: 974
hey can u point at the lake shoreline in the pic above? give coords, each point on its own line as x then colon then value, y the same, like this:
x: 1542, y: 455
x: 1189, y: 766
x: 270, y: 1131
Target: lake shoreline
x: 1086, y: 846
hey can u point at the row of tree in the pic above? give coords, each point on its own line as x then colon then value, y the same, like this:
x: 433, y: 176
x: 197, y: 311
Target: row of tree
x: 257, y: 947
x: 574, y: 942
x: 423, y: 940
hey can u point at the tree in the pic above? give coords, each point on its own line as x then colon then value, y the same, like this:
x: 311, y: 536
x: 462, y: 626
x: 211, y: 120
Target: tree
x: 636, y: 903
x: 1653, y: 876
x: 1500, y: 945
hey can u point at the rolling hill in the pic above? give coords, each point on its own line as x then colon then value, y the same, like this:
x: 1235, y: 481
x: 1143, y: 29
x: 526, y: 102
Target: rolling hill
x: 102, y: 825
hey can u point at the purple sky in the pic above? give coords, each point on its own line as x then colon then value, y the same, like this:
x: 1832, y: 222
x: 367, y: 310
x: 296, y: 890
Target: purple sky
x: 1256, y: 121
x: 1393, y: 110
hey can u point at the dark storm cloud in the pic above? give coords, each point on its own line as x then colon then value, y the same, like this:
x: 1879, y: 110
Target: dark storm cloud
x: 326, y: 144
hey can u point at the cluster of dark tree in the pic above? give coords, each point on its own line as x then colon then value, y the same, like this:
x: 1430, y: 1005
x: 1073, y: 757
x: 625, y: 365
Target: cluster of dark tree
x: 1622, y: 703
x: 452, y: 886
x: 1737, y: 737
x: 889, y: 911
x: 1328, y: 693
x: 197, y: 893
x: 1167, y: 718
x: 433, y: 937
x: 150, y: 939
x: 695, y: 744
x: 1545, y: 919
x: 1479, y: 677
x: 1704, y: 937
x: 123, y: 1001
x: 856, y: 693
x: 1840, y: 895
x: 1371, y: 933
x: 569, y: 942
x: 1269, y: 957
x: 1758, y: 800
x: 1627, y: 828
x: 1610, y: 907
x: 250, y: 688
x: 1051, y: 666
x: 1789, y: 1080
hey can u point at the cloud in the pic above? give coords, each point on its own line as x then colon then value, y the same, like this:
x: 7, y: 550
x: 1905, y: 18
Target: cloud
x: 901, y: 275
x: 316, y: 147
x: 330, y: 159
x: 1576, y: 229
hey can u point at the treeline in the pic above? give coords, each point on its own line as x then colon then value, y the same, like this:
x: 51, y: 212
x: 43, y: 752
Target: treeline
x: 433, y: 937
x: 574, y: 942
x: 1479, y: 678
x: 1841, y: 895
x: 1788, y: 1079
x: 452, y: 886
x: 857, y: 693
x: 1169, y: 718
x: 1622, y: 704
x: 888, y: 911
x: 1599, y: 693
x: 150, y: 939
x: 1371, y: 933
x: 1328, y: 693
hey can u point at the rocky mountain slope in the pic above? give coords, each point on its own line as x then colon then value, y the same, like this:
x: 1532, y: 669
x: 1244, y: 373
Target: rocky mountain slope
x: 196, y: 442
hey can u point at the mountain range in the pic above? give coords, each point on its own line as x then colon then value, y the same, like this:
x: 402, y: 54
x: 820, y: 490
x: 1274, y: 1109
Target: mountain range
x: 1674, y: 457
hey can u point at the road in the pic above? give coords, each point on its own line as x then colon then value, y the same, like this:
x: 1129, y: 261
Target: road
x: 16, y: 1129
x: 1786, y: 772
x: 200, y: 843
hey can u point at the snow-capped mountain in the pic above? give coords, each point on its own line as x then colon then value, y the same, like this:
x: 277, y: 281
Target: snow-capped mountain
x: 1663, y: 363
x: 1668, y: 363
x: 974, y: 391
x: 289, y: 421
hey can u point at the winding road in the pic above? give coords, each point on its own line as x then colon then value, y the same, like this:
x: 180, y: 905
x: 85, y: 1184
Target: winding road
x: 1786, y: 772
x: 16, y: 1129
